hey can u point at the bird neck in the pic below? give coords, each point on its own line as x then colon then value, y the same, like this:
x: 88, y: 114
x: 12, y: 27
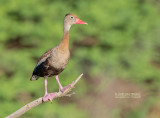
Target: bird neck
x: 64, y: 45
x: 67, y: 26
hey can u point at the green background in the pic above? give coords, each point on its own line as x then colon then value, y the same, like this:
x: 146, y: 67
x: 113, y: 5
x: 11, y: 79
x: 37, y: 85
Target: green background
x: 118, y: 52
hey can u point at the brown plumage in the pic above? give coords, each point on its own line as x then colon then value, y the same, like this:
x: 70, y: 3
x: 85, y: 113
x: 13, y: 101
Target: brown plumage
x: 54, y: 61
x: 51, y: 63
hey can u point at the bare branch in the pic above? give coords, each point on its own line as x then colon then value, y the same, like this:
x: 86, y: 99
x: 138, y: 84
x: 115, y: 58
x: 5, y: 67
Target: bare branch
x: 38, y: 101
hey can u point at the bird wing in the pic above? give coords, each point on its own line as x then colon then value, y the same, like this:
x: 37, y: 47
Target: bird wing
x: 43, y: 58
x: 42, y: 64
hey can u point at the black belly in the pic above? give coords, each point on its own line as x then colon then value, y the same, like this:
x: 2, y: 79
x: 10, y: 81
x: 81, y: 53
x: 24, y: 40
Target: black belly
x: 46, y: 70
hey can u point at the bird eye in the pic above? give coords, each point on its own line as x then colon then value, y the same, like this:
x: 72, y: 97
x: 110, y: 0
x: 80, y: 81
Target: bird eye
x: 71, y: 17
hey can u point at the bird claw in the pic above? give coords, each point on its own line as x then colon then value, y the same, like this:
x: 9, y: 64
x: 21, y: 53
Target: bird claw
x: 49, y: 97
x: 65, y: 88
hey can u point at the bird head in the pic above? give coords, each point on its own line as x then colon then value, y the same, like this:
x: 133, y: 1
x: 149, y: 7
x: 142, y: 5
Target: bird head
x: 71, y: 19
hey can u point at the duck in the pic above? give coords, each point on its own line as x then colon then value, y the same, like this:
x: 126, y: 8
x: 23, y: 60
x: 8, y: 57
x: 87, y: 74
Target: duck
x: 54, y: 61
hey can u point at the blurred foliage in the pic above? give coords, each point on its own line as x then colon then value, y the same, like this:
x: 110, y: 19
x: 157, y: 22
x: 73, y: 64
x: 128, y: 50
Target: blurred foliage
x: 120, y: 41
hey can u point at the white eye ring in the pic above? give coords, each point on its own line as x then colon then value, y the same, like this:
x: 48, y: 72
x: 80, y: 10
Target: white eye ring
x: 71, y: 17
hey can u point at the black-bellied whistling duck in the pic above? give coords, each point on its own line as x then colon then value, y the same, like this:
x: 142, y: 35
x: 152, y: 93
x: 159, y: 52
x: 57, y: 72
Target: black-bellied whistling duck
x: 53, y: 62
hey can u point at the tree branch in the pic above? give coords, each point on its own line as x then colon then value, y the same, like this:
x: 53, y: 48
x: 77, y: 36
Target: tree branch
x: 38, y: 101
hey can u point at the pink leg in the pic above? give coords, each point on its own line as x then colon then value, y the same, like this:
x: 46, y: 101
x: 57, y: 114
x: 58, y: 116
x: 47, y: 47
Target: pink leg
x: 61, y: 88
x: 46, y: 95
x: 45, y: 86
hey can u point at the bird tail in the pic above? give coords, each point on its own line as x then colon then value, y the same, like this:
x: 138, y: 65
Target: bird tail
x: 34, y: 77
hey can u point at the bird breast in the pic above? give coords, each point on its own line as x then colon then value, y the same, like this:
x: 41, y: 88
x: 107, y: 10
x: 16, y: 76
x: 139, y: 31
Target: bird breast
x: 59, y: 58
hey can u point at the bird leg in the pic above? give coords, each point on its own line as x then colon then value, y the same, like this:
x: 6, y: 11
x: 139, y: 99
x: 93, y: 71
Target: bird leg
x: 47, y: 96
x: 61, y: 88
